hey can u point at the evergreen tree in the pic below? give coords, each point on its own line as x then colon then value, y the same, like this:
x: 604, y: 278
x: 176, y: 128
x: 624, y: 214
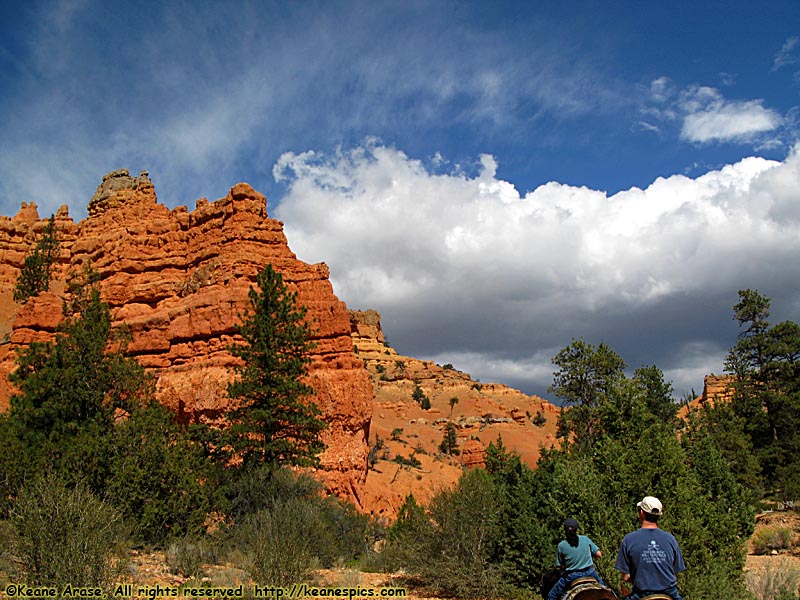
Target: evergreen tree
x: 67, y: 384
x: 452, y: 546
x: 34, y: 278
x: 87, y: 413
x: 274, y: 421
x: 657, y: 393
x: 449, y: 443
x: 586, y: 379
x: 156, y: 475
x: 766, y: 364
x: 728, y: 429
x: 420, y: 398
x: 707, y: 510
x: 69, y: 390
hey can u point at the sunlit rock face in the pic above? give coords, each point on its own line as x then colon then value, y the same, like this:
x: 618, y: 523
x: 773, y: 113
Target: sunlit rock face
x: 179, y: 281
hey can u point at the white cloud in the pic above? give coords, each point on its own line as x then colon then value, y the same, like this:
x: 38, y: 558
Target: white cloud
x: 661, y: 89
x: 475, y: 268
x: 709, y: 117
x: 729, y: 121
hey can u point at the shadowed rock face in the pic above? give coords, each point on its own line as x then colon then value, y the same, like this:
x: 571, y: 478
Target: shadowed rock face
x: 179, y: 281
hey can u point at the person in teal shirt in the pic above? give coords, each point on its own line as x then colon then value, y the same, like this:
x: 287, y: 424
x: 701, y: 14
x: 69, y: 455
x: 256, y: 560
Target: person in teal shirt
x: 574, y: 556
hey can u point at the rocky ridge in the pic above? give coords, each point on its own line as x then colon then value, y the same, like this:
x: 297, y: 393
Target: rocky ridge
x: 178, y: 280
x: 404, y: 433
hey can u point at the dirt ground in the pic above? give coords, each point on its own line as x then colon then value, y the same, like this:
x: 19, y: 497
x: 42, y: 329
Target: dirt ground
x: 151, y: 568
x: 778, y: 560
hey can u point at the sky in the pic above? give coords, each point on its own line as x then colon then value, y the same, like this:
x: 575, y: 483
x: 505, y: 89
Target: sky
x: 495, y: 178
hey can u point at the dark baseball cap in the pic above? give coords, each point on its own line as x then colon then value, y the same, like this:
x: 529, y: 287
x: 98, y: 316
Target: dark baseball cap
x: 571, y: 524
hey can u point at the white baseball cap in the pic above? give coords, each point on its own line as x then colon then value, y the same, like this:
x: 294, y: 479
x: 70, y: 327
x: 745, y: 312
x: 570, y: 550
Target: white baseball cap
x: 651, y: 505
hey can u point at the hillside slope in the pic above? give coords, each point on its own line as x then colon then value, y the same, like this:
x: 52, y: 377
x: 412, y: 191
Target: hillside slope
x: 402, y: 431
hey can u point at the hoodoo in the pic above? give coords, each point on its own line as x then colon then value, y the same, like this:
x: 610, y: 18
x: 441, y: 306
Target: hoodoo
x: 179, y: 281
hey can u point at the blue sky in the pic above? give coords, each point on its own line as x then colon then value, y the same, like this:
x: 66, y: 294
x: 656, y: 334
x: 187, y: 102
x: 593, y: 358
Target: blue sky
x: 495, y: 178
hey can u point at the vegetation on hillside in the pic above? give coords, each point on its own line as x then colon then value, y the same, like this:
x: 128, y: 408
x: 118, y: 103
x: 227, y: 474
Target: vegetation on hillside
x: 621, y: 440
x: 86, y: 453
x: 87, y: 456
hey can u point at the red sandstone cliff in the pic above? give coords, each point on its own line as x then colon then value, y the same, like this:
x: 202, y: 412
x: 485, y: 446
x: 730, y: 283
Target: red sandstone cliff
x: 179, y: 281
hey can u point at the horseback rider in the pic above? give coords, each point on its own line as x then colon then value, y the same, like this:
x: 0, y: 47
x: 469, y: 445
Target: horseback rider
x: 650, y: 558
x: 574, y: 558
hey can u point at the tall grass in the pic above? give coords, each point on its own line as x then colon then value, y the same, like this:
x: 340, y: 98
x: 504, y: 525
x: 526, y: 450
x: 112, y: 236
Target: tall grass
x: 779, y: 582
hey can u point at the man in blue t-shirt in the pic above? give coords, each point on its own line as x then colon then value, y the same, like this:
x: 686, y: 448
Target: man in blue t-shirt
x: 650, y: 558
x: 574, y: 557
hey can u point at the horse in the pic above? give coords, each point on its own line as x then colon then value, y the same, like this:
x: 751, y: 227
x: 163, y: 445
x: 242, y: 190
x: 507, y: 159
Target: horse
x: 588, y: 588
x: 585, y: 588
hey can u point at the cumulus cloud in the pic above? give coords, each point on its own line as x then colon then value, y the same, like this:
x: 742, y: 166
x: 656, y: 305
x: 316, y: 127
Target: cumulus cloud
x: 464, y: 267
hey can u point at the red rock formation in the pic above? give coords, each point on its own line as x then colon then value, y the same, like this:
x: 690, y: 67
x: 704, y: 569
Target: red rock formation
x: 179, y: 281
x: 717, y: 388
x: 473, y: 453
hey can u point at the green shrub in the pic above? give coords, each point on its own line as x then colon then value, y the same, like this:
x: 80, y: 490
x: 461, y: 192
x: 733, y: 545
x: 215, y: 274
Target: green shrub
x: 410, y: 461
x: 767, y: 539
x: 9, y: 566
x: 187, y: 555
x: 155, y: 476
x: 313, y: 530
x: 276, y: 545
x: 254, y: 490
x: 13, y: 466
x: 452, y: 548
x: 406, y: 539
x: 34, y: 277
x: 420, y: 398
x: 65, y: 535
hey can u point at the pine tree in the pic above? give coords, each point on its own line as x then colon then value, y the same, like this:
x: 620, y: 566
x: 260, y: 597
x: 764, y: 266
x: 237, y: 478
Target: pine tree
x: 587, y: 379
x: 766, y: 365
x: 34, y: 278
x: 449, y: 443
x: 69, y: 390
x: 274, y: 422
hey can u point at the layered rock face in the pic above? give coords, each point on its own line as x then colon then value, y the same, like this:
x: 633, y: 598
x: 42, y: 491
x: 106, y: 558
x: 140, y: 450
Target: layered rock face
x: 179, y: 281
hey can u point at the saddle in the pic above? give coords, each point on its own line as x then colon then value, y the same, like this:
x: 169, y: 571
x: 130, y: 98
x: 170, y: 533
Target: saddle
x: 656, y: 597
x: 582, y: 581
x: 579, y: 586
